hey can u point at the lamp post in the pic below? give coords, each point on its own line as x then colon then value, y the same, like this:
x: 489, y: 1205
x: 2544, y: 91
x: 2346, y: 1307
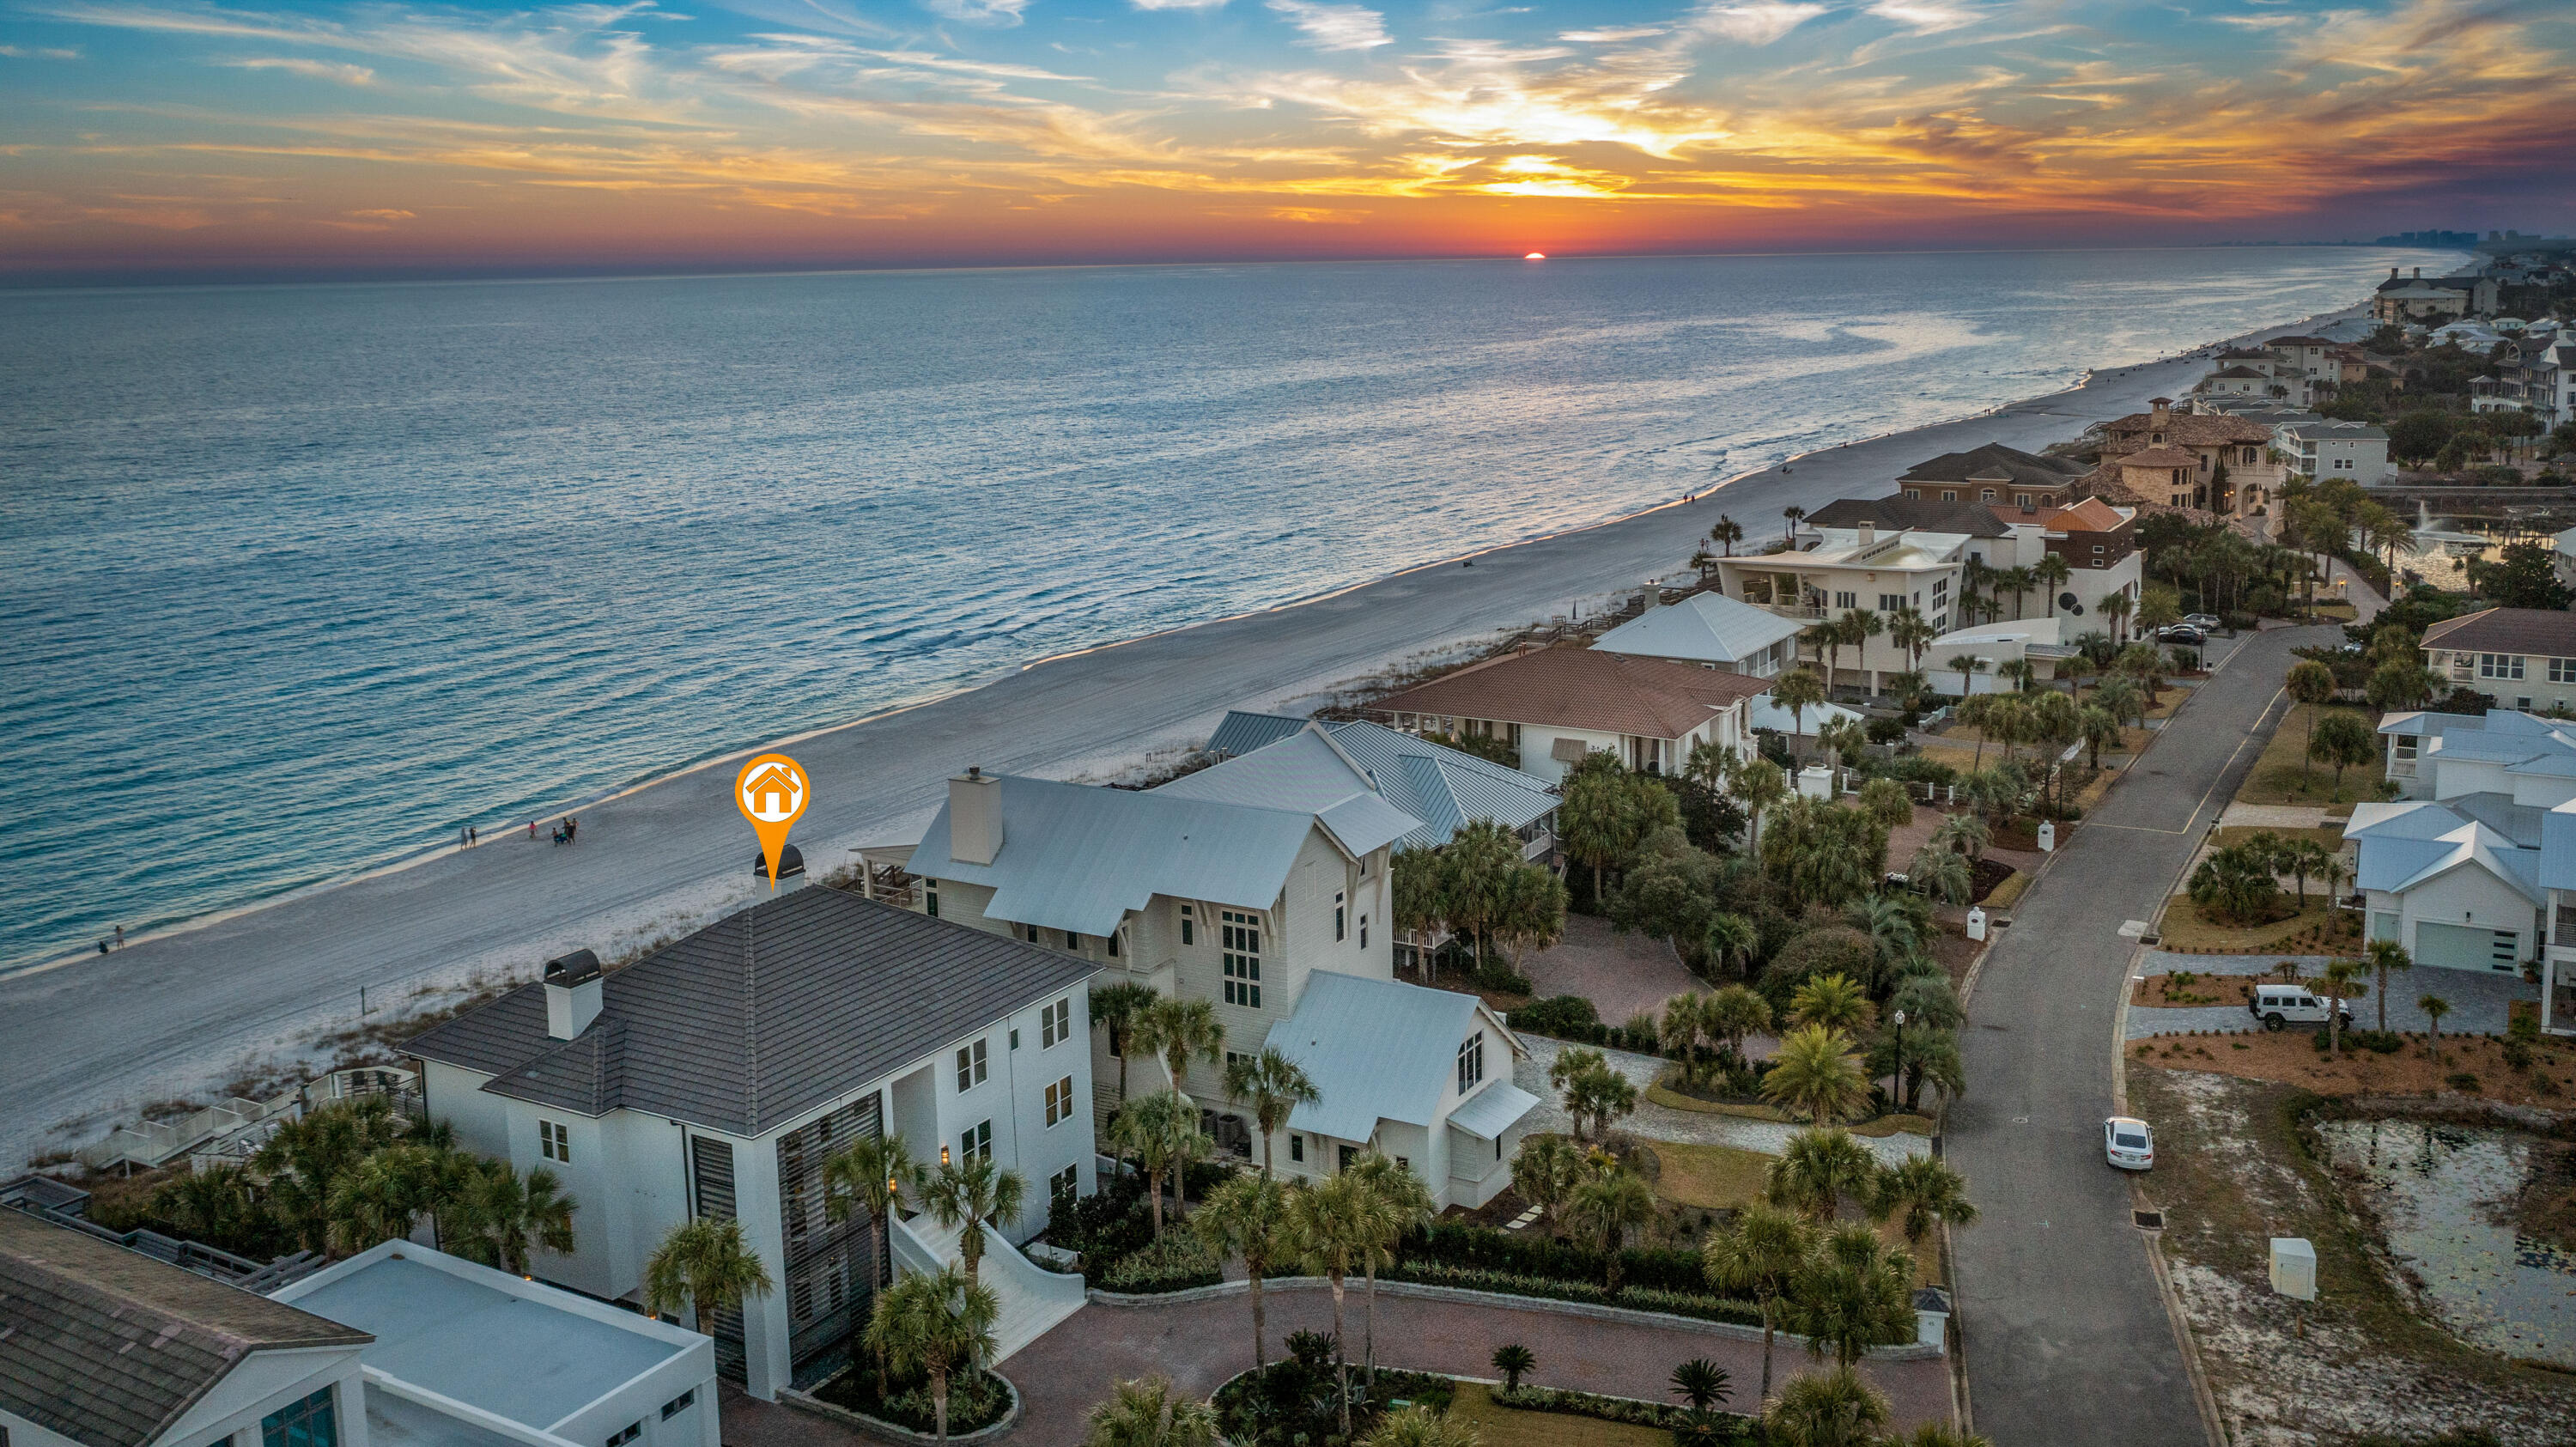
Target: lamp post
x: 1896, y: 1066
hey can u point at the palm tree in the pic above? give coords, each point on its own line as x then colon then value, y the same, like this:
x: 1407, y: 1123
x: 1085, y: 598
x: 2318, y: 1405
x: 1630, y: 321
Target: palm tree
x: 2018, y: 581
x: 2098, y: 727
x: 706, y: 1265
x: 2302, y: 857
x: 1116, y: 1007
x: 1701, y: 1384
x: 870, y: 1175
x: 1335, y: 1225
x: 1604, y: 1209
x: 1795, y: 515
x: 1247, y: 1216
x: 1922, y: 1193
x: 1908, y: 629
x: 2117, y: 608
x: 2051, y: 573
x: 2121, y: 694
x: 1594, y: 817
x: 2339, y: 981
x: 1730, y: 937
x: 1826, y: 1409
x: 1942, y: 872
x: 1813, y: 1073
x: 302, y: 1160
x: 1856, y: 627
x: 1150, y: 1412
x: 505, y: 1214
x: 968, y: 1194
x: 1797, y: 690
x: 1405, y: 1204
x: 1818, y: 1171
x: 1275, y: 1085
x: 1758, y: 1254
x: 1544, y: 1171
x: 935, y: 1323
x: 212, y: 1204
x: 1162, y: 1132
x: 1832, y: 1001
x: 2386, y: 956
x: 2434, y: 1008
x: 1966, y: 665
x: 2334, y: 872
x: 1758, y: 785
x: 2313, y: 684
x: 1513, y: 1361
x: 1727, y: 533
x: 1853, y: 1293
x: 1733, y: 1013
x: 1180, y: 1030
x: 2023, y: 673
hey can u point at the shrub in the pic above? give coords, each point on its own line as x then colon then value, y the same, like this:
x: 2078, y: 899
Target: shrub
x: 975, y: 1400
x: 2517, y: 1056
x: 2240, y: 622
x: 1916, y: 769
x: 2463, y: 1080
x: 1731, y: 1428
x: 1498, y: 976
x: 1885, y: 730
x: 1831, y: 950
x: 1566, y: 1017
x: 2378, y: 1042
x: 1483, y: 1248
x: 1176, y: 1263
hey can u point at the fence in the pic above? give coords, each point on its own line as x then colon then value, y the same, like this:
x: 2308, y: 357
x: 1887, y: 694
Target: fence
x: 233, y: 1130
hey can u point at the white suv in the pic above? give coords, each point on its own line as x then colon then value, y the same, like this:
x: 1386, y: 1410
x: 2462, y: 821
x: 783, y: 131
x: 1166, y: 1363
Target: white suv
x: 2281, y: 1005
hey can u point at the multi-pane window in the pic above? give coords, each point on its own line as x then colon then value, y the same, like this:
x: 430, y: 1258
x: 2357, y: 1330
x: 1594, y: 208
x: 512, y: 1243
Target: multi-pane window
x: 1890, y: 602
x: 1064, y: 1185
x: 1189, y: 935
x: 1846, y: 600
x: 1055, y: 1023
x: 679, y: 1404
x: 309, y: 1423
x: 2562, y: 670
x: 1059, y: 1100
x: 930, y: 898
x: 970, y: 1066
x: 554, y: 1142
x: 1471, y: 1062
x: 626, y: 1434
x: 1240, y: 934
x: 2500, y: 665
x: 977, y: 1141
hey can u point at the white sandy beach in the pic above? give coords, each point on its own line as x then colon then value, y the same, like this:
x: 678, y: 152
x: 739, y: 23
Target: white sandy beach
x: 85, y: 1041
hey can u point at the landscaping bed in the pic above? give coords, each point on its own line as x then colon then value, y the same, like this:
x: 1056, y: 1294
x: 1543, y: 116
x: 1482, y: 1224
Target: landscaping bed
x: 2315, y: 929
x: 2474, y: 1067
x: 975, y: 1400
x: 1515, y: 1426
x: 1478, y: 1258
x: 1292, y: 1402
x: 1112, y: 1231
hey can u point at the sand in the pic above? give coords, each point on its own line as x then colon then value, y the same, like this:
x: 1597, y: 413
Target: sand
x: 86, y: 1040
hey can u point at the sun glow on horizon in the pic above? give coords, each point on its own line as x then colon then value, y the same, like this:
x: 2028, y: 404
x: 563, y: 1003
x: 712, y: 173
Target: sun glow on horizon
x: 1535, y: 256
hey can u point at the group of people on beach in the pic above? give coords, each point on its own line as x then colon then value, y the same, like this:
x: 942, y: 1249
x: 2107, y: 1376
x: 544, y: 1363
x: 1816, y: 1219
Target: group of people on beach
x: 564, y: 832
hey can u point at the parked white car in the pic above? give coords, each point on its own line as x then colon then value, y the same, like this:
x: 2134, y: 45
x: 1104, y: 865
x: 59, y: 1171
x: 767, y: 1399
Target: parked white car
x: 2128, y: 1144
x: 2278, y: 1006
x: 2205, y: 622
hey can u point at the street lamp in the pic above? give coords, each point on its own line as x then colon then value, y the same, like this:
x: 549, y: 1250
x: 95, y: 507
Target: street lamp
x: 1896, y: 1066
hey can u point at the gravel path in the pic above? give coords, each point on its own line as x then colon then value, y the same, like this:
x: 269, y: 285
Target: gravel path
x: 1663, y: 1123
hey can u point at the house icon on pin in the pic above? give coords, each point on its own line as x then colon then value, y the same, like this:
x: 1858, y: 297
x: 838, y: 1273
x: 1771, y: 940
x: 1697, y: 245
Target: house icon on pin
x: 774, y: 792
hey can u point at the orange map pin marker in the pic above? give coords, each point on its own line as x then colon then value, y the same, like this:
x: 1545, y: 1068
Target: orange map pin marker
x: 771, y: 792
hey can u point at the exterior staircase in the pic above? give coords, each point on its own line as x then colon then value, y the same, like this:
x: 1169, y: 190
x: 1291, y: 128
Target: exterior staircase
x: 1033, y: 1299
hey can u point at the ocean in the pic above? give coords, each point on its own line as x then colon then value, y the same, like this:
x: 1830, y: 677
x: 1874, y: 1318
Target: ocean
x: 298, y: 580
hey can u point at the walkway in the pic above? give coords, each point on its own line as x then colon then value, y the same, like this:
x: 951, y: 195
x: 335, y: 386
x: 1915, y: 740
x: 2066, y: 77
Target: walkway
x: 1620, y: 974
x: 1663, y: 1123
x: 2057, y: 1303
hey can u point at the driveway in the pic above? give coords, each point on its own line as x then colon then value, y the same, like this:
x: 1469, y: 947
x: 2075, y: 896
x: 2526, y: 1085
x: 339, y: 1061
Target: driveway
x: 2058, y: 1305
x: 1620, y: 974
x: 2481, y: 1003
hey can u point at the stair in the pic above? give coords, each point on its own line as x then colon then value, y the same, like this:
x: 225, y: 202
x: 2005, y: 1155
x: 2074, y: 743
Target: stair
x: 1033, y: 1299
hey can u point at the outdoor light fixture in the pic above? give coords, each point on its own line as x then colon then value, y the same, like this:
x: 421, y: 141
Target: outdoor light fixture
x: 943, y: 1155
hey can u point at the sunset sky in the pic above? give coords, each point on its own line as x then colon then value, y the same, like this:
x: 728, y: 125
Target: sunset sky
x: 166, y: 135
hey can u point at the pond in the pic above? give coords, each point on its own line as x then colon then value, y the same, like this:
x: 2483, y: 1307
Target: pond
x: 2445, y: 1195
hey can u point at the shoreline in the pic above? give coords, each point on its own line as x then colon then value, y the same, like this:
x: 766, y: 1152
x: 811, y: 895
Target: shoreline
x: 291, y: 962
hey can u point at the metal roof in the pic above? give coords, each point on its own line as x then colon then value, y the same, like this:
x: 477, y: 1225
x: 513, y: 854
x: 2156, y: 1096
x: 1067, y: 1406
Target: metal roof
x: 1704, y: 628
x: 763, y: 1015
x: 1078, y: 858
x: 1493, y: 1110
x: 1377, y: 1050
x: 110, y: 1347
x: 2406, y: 845
x: 1289, y: 763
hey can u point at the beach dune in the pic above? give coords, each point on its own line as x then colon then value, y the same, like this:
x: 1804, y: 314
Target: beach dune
x: 85, y: 1041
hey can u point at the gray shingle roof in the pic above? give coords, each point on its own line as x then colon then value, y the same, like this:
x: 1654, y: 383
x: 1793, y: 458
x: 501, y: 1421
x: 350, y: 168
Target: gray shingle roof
x: 2545, y: 631
x: 761, y: 1016
x: 1928, y: 514
x: 1996, y: 460
x: 110, y: 1347
x: 1441, y: 787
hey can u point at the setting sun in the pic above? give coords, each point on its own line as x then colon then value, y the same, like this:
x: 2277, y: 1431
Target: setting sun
x: 1535, y: 256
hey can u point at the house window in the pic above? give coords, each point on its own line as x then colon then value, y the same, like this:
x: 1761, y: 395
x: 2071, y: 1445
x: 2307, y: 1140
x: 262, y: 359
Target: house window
x: 1059, y: 1100
x: 309, y: 1423
x: 977, y: 1141
x: 679, y: 1404
x: 1240, y: 934
x: 1055, y: 1023
x: 554, y: 1142
x: 1363, y: 945
x: 1985, y: 494
x: 1339, y: 913
x: 930, y: 898
x: 2562, y: 670
x: 970, y: 1066
x: 1471, y: 1062
x: 1846, y: 600
x: 1063, y: 1186
x: 1914, y: 493
x: 626, y: 1434
x: 1890, y: 602
x: 1950, y: 495
x: 1072, y: 941
x: 1297, y: 1148
x: 1186, y: 932
x: 1113, y: 941
x: 1033, y: 935
x: 2500, y: 665
x: 1348, y: 1155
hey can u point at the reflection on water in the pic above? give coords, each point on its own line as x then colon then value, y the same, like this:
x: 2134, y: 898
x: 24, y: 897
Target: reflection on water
x: 2445, y: 1196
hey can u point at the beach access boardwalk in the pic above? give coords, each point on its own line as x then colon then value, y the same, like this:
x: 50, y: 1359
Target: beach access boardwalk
x: 86, y: 1041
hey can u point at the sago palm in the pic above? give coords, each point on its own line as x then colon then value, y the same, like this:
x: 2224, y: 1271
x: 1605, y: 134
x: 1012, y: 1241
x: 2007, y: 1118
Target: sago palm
x: 1814, y: 1073
x: 1151, y: 1412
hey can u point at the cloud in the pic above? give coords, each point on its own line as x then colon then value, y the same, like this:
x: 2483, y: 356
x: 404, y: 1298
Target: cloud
x: 1178, y: 4
x: 315, y: 69
x: 978, y: 12
x: 381, y: 214
x: 2261, y: 22
x: 1759, y: 22
x: 1926, y: 17
x: 1611, y: 36
x: 49, y: 52
x: 1335, y: 27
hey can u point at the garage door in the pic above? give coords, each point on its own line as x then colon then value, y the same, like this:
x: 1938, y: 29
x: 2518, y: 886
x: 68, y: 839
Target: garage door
x: 2465, y: 947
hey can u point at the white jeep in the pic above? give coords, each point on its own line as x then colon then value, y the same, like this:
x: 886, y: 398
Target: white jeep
x: 2283, y: 1005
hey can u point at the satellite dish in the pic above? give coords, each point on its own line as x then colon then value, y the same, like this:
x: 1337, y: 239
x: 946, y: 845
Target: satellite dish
x: 2067, y: 600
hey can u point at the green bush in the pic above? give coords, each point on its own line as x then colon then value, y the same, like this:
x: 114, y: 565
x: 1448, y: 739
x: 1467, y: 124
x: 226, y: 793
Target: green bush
x: 1176, y: 1263
x: 976, y: 1400
x: 1482, y: 1248
x: 1731, y: 1428
x: 1498, y: 976
x: 1916, y: 769
x: 2463, y: 1080
x: 1562, y: 1016
x: 2517, y: 1056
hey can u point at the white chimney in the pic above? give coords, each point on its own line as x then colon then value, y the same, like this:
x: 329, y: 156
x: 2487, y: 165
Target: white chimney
x: 974, y: 817
x: 572, y: 994
x: 1868, y: 534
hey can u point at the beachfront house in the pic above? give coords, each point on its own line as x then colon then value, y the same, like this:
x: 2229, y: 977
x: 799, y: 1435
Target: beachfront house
x: 2322, y: 448
x: 1707, y: 630
x: 2241, y: 380
x: 2524, y: 657
x: 1994, y: 475
x: 714, y: 1076
x: 2096, y: 540
x: 2207, y: 460
x: 1557, y: 705
x: 1253, y: 907
x: 1283, y: 761
x: 2421, y: 298
x: 1862, y: 568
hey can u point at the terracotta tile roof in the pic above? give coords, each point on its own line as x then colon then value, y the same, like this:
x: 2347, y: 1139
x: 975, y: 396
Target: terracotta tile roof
x: 1582, y: 688
x: 110, y: 1347
x: 2159, y: 457
x: 2547, y: 632
x: 2187, y: 429
x: 2092, y: 515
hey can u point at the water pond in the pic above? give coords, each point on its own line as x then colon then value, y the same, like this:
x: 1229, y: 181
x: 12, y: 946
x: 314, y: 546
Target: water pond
x: 2445, y: 1195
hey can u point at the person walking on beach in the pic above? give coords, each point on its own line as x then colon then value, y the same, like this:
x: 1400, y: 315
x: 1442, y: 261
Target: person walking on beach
x: 120, y: 937
x: 532, y: 831
x: 472, y: 836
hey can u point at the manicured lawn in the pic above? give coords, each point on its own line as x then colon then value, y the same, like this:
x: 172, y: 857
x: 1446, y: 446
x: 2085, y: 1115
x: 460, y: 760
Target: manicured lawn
x: 2276, y: 777
x: 1508, y: 1427
x: 1710, y: 1177
x: 2184, y: 930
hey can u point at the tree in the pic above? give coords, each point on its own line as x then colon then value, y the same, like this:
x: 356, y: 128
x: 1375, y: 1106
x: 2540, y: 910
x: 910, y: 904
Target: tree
x: 305, y: 1157
x: 1733, y: 1013
x: 1833, y: 1002
x: 1529, y: 911
x: 935, y: 1323
x: 706, y: 1266
x: 1544, y: 1170
x: 1593, y: 1092
x: 2100, y: 728
x: 1115, y: 1007
x: 1730, y: 937
x: 1162, y: 1132
x: 1941, y: 872
x: 1514, y: 1362
x: 1921, y: 1194
x: 1476, y: 866
x: 1814, y: 1074
x: 1150, y: 1412
x: 1274, y: 1085
x: 1248, y: 1216
x: 2339, y: 981
x: 1798, y: 690
x: 2344, y: 739
x: 213, y: 1204
x: 2313, y: 684
x: 2301, y: 857
x: 1596, y: 819
x: 507, y: 1214
x: 1179, y: 1030
x: 2121, y: 694
x: 2051, y: 573
x: 1826, y: 1409
x: 870, y: 1175
x: 2522, y: 576
x: 2434, y: 1008
x: 2386, y: 956
x: 1727, y: 533
x: 1908, y: 629
x: 1335, y: 1223
x: 1886, y: 801
x: 1604, y: 1209
x: 379, y: 1199
x: 2159, y: 607
x: 1820, y: 1169
x: 1819, y: 853
x: 966, y: 1195
x: 1414, y: 905
x: 1758, y: 1254
x: 2398, y: 683
x: 1846, y: 739
x: 1758, y: 784
x: 1404, y: 1204
x: 2117, y: 608
x: 1855, y: 628
x: 2235, y: 883
x: 1967, y: 666
x: 2419, y: 434
x: 1853, y: 1293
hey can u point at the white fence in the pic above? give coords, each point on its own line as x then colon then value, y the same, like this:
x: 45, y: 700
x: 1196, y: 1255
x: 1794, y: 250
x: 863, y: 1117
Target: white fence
x: 233, y: 1130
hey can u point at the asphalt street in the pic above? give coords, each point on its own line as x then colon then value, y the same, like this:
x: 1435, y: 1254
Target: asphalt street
x: 2066, y: 1339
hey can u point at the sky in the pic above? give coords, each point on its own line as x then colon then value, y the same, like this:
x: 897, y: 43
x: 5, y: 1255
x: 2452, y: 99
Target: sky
x: 312, y: 137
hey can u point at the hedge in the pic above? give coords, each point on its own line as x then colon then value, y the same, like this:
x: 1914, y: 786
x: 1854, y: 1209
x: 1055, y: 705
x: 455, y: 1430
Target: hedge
x: 1485, y: 1249
x: 1590, y: 1293
x: 1732, y: 1427
x: 1178, y: 1262
x: 1572, y: 1017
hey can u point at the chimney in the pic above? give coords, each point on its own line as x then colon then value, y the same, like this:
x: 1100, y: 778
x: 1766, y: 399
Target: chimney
x: 2392, y: 273
x: 1868, y: 534
x: 2159, y: 411
x: 572, y: 994
x: 2419, y: 273
x: 974, y: 817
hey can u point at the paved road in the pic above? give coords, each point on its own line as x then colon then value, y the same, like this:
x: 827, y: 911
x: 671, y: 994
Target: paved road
x: 169, y: 1017
x: 2067, y: 1341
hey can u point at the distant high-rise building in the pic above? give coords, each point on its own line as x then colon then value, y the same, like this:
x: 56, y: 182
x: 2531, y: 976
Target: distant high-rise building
x: 2430, y: 238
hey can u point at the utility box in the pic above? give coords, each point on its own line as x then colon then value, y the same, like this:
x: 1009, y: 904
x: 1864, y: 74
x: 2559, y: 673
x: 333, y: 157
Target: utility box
x: 1976, y: 924
x: 2047, y: 836
x: 2294, y: 1268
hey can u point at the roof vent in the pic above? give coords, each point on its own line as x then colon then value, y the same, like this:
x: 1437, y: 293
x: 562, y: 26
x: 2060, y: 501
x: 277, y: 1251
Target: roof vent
x: 572, y: 994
